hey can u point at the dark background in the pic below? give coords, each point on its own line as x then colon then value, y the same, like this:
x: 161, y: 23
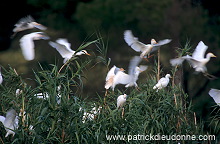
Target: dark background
x: 77, y: 20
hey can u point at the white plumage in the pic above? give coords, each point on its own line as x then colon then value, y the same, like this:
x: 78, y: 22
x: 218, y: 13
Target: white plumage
x: 90, y: 115
x: 197, y: 60
x: 1, y: 77
x: 215, y: 94
x: 27, y: 44
x: 27, y: 23
x: 163, y: 82
x: 10, y: 122
x: 121, y: 100
x: 138, y: 46
x: 129, y: 80
x: 63, y: 47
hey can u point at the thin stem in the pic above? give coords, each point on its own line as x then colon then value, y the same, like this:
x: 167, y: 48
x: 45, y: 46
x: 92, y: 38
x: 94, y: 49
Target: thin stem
x: 158, y: 65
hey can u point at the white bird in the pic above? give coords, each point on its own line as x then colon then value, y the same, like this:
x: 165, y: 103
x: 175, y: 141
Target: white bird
x: 110, y: 76
x: 197, y: 60
x: 1, y: 77
x: 138, y: 46
x: 129, y: 79
x: 163, y: 82
x: 10, y: 122
x: 27, y: 44
x: 121, y: 100
x: 215, y: 94
x: 63, y: 47
x: 27, y: 23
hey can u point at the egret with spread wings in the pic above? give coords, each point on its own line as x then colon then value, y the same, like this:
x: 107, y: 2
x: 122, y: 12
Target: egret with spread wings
x: 63, y: 47
x: 138, y: 46
x: 198, y: 60
x: 27, y: 44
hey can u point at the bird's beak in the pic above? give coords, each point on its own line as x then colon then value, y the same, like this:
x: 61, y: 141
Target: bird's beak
x: 214, y: 55
x: 88, y: 54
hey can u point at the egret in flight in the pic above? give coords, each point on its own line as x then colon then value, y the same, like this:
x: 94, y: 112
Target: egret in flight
x: 129, y: 80
x: 27, y: 44
x: 63, y: 47
x: 27, y: 23
x: 198, y: 60
x: 138, y: 46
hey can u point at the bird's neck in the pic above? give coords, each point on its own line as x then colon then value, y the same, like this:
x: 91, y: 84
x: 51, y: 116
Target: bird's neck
x: 79, y: 53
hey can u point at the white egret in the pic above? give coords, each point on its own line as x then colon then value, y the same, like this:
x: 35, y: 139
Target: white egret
x: 129, y: 79
x: 1, y: 77
x: 63, y: 47
x: 138, y: 46
x: 27, y: 23
x: 215, y: 94
x: 10, y: 122
x: 163, y: 82
x: 121, y: 100
x: 197, y: 60
x: 110, y: 76
x: 27, y: 44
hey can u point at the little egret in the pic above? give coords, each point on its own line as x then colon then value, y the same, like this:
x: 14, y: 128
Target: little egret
x: 138, y: 46
x: 215, y: 94
x: 10, y: 122
x: 27, y: 44
x: 197, y: 60
x: 63, y: 47
x: 27, y: 23
x: 163, y: 82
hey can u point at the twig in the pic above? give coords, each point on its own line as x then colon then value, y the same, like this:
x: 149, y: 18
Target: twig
x: 158, y: 65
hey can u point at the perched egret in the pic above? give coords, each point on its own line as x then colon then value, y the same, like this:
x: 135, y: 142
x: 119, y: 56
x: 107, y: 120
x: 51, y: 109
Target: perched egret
x: 215, y: 94
x: 163, y: 82
x: 10, y: 122
x: 197, y: 60
x: 63, y: 47
x: 27, y: 23
x: 121, y: 100
x: 129, y: 79
x: 27, y: 44
x: 138, y: 46
x: 1, y: 78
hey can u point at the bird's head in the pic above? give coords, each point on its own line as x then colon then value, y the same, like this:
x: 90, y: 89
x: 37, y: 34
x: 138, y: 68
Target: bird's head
x: 125, y: 96
x: 210, y: 55
x: 168, y: 76
x: 153, y: 41
x: 84, y: 52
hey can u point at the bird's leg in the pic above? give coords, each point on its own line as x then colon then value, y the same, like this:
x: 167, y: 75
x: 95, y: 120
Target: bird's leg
x: 123, y: 112
x: 106, y: 92
x: 149, y: 56
x: 209, y: 76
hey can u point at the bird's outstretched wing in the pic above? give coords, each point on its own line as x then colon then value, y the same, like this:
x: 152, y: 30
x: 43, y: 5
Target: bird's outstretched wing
x: 134, y: 62
x: 200, y: 50
x: 160, y: 43
x: 215, y: 94
x: 27, y: 47
x: 133, y: 41
x: 62, y: 49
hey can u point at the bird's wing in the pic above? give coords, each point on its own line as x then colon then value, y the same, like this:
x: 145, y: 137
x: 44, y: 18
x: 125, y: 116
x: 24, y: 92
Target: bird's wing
x: 24, y: 20
x: 215, y: 94
x: 133, y: 42
x: 27, y: 47
x: 134, y: 62
x: 160, y: 43
x: 111, y: 72
x: 122, y: 78
x: 163, y: 81
x: 62, y: 49
x: 200, y: 50
x: 179, y: 61
x: 2, y: 119
x: 64, y: 42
